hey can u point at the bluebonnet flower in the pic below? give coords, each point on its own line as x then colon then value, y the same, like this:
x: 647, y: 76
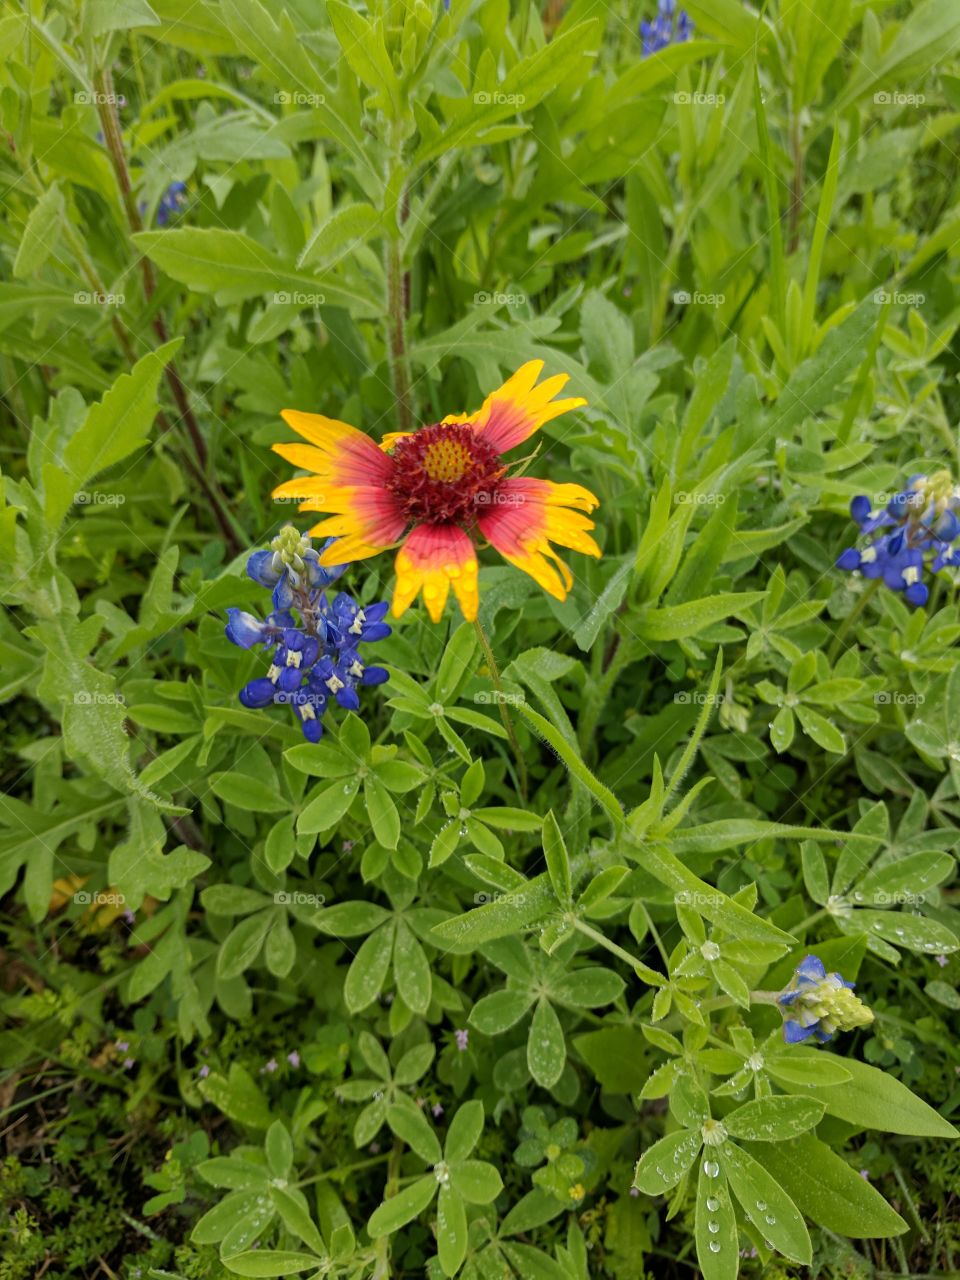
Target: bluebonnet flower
x: 316, y: 658
x: 660, y: 33
x: 916, y: 530
x: 171, y: 202
x: 817, y: 1003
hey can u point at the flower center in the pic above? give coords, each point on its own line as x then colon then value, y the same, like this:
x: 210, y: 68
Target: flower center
x: 444, y: 473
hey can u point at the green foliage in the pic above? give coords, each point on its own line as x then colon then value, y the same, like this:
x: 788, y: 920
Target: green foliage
x: 485, y: 982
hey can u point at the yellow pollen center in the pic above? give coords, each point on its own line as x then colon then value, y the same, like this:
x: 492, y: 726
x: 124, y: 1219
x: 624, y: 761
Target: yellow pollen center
x: 446, y: 461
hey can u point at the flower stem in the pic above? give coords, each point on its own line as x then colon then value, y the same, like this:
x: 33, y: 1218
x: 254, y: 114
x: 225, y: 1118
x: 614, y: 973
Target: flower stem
x: 502, y: 704
x: 850, y: 619
x: 396, y: 334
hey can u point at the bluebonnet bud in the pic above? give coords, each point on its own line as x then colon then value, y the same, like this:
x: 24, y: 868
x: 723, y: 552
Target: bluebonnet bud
x: 316, y: 658
x: 660, y: 33
x: 171, y: 202
x: 916, y: 530
x: 817, y: 1003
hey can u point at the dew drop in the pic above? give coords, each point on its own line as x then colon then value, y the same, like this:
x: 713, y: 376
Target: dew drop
x: 713, y: 1227
x: 714, y: 1246
x: 659, y: 1172
x: 761, y: 1205
x: 711, y: 1168
x: 770, y: 1220
x: 713, y: 1204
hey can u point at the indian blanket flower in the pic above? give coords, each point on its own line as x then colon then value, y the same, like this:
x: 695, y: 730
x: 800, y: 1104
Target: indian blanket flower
x: 817, y: 1003
x: 316, y: 658
x: 660, y: 33
x: 914, y: 532
x: 440, y: 490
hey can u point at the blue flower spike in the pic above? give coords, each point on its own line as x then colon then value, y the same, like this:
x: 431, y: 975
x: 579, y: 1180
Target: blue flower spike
x: 315, y: 659
x: 661, y: 32
x: 914, y: 532
x: 817, y: 1003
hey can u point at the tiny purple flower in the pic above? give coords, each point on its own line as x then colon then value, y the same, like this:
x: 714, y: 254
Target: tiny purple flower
x: 204, y: 1072
x: 463, y: 1039
x: 293, y: 1058
x: 123, y: 1045
x: 129, y: 1062
x: 942, y: 961
x: 437, y: 1110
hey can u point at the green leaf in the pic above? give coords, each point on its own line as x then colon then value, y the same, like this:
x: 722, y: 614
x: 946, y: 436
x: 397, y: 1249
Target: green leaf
x: 664, y: 1164
x: 557, y: 859
x: 402, y: 1208
x: 546, y: 1048
x: 244, y: 792
x: 279, y: 1149
x: 825, y: 1188
x: 774, y: 1119
x: 570, y: 757
x: 499, y: 1010
x: 682, y: 621
x: 326, y: 807
x: 476, y: 1180
x: 411, y: 970
x: 382, y: 812
x: 587, y: 988
x: 767, y: 1206
x: 368, y: 970
x: 456, y: 663
x: 824, y: 733
x: 40, y: 235
x: 113, y: 428
x: 465, y: 1131
x: 715, y: 1224
x: 243, y: 944
x: 237, y: 1097
x: 451, y: 1230
x: 233, y: 266
x: 874, y: 1099
x: 271, y: 1262
x: 409, y: 1124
